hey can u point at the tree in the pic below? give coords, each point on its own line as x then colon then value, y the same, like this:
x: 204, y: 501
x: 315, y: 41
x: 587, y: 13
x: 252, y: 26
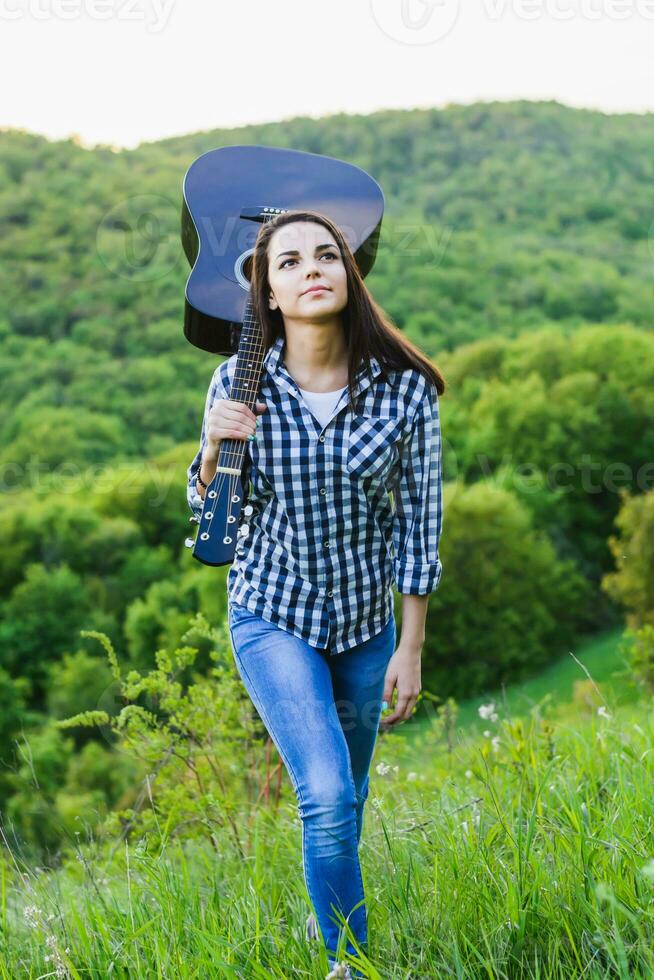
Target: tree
x: 632, y: 582
x: 506, y: 605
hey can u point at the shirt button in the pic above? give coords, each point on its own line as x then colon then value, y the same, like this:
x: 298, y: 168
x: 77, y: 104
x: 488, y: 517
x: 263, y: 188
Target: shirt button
x: 321, y: 438
x: 326, y: 543
x: 322, y: 490
x: 330, y: 592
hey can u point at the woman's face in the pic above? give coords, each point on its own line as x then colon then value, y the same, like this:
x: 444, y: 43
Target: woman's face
x: 303, y: 254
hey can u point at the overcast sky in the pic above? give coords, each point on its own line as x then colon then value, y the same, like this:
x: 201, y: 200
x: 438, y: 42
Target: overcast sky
x: 126, y: 71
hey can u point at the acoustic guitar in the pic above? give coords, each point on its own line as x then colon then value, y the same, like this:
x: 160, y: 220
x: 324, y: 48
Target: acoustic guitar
x: 227, y: 193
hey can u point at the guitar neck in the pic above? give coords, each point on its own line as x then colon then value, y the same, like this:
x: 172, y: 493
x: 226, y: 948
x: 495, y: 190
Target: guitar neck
x: 245, y: 385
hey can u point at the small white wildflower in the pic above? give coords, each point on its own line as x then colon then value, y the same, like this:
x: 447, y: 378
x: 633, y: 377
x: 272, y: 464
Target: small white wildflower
x: 469, y: 774
x: 60, y: 969
x: 411, y: 776
x: 340, y: 971
x: 383, y: 769
x: 494, y: 716
x: 486, y: 710
x: 602, y: 712
x: 487, y: 734
x: 396, y: 768
x: 32, y: 915
x: 495, y: 742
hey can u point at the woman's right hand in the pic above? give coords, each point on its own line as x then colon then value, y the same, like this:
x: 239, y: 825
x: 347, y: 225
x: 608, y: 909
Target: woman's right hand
x: 230, y: 420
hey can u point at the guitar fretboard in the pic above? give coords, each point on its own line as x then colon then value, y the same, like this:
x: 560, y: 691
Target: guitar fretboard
x: 245, y: 384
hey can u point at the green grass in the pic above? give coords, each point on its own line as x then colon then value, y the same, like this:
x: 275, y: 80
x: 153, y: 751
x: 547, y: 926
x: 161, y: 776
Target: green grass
x: 553, y: 687
x: 527, y: 857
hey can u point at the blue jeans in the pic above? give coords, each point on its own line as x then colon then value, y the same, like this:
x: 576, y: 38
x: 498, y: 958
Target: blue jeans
x: 322, y: 712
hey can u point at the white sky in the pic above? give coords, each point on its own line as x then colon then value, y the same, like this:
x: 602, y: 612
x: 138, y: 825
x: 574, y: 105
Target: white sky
x: 126, y: 71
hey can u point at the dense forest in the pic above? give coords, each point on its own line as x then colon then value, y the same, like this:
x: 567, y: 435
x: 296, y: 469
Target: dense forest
x: 517, y: 251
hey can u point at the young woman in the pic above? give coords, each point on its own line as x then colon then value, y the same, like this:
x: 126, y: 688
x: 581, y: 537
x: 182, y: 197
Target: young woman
x: 349, y: 415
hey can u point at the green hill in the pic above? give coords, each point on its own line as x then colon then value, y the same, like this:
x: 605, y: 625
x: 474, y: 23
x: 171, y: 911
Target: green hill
x: 499, y: 218
x: 516, y: 251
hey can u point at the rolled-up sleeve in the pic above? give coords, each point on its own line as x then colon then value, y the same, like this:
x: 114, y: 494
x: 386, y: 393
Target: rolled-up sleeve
x: 418, y: 497
x: 216, y: 391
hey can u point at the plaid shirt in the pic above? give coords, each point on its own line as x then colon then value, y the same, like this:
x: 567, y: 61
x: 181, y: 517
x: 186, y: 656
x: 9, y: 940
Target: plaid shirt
x: 324, y: 544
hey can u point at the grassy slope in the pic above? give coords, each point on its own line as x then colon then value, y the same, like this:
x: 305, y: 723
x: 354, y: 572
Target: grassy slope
x: 600, y: 656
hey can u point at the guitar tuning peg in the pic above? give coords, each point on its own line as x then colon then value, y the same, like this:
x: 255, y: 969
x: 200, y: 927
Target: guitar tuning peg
x: 189, y: 542
x: 194, y: 519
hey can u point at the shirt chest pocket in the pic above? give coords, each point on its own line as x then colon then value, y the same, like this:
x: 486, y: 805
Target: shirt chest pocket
x: 372, y: 446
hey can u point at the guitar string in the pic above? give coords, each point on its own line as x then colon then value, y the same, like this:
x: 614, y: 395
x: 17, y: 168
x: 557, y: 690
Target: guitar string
x: 245, y: 374
x: 251, y: 346
x: 248, y: 321
x: 226, y: 454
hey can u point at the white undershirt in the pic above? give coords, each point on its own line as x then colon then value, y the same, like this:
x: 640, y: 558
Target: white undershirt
x: 322, y: 403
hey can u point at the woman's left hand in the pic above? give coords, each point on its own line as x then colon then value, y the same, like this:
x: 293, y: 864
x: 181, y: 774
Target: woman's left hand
x: 403, y: 673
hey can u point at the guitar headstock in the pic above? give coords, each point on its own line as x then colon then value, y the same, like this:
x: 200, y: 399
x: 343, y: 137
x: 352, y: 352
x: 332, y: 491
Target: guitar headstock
x: 220, y: 525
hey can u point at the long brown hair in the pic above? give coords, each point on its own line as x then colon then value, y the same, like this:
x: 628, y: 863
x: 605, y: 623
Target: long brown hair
x: 368, y: 330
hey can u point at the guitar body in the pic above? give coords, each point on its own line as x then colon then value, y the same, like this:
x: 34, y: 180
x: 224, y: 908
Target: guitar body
x: 227, y: 194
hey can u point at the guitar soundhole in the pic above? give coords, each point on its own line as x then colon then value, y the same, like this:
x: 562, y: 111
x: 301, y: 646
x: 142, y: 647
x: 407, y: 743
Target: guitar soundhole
x: 243, y: 268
